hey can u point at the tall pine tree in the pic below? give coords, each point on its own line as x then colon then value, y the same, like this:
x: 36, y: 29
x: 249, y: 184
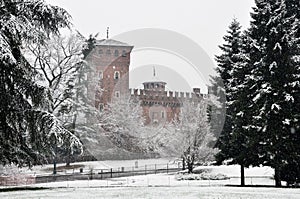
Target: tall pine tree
x: 274, y: 54
x: 231, y: 65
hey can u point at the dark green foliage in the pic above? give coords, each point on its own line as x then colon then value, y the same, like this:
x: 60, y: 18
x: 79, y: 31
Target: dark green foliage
x: 229, y: 64
x: 274, y: 54
x: 262, y: 92
x: 25, y: 131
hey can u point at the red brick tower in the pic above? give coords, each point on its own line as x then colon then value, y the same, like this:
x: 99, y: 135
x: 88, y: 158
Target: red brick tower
x: 110, y: 60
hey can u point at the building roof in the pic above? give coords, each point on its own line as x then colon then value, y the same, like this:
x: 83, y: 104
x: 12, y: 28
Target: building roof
x: 154, y: 81
x: 110, y: 42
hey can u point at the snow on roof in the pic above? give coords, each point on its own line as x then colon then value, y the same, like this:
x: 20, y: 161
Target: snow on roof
x: 153, y: 81
x: 110, y: 42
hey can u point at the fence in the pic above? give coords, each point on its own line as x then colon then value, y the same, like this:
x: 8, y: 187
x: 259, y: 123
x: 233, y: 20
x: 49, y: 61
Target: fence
x: 17, y: 180
x: 160, y: 181
x: 99, y: 174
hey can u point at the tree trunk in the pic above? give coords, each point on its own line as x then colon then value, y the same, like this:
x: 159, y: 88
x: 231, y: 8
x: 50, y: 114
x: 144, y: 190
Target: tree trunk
x: 68, y: 159
x: 190, y: 167
x: 55, y: 157
x: 242, y: 175
x: 54, y: 165
x: 277, y: 176
x: 190, y: 164
x: 183, y: 163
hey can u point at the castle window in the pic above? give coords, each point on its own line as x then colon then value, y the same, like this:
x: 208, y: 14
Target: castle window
x: 116, y: 53
x: 101, y: 106
x: 117, y: 94
x: 100, y: 75
x: 108, y: 52
x: 100, y: 51
x: 162, y: 114
x: 117, y: 75
x: 124, y: 53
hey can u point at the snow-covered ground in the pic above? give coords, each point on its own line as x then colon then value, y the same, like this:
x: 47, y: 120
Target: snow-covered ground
x: 160, y: 185
x: 159, y: 192
x: 106, y: 165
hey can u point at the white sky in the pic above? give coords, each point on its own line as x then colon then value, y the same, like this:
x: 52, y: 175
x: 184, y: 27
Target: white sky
x: 203, y: 21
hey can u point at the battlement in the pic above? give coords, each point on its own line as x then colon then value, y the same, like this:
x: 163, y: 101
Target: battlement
x: 172, y: 98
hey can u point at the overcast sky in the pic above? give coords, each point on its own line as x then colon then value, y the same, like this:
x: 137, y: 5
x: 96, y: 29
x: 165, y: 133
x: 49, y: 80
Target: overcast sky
x: 203, y: 21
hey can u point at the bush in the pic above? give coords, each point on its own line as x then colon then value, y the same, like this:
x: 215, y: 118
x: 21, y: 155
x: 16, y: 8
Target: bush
x: 291, y: 174
x: 201, y: 176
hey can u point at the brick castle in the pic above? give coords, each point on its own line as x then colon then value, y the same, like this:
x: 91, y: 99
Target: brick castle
x: 110, y: 60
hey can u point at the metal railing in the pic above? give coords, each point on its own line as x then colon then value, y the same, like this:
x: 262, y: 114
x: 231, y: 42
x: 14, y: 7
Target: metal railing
x: 99, y: 174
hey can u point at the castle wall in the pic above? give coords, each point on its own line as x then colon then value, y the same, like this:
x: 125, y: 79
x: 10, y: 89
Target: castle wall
x: 106, y: 63
x: 110, y: 78
x: 162, y: 106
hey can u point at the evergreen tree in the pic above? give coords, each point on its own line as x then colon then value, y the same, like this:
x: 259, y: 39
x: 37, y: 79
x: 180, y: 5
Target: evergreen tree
x: 275, y: 56
x: 216, y: 109
x: 26, y: 131
x: 231, y: 64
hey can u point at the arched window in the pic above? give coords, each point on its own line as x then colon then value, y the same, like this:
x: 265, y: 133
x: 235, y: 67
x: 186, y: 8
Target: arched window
x: 117, y: 94
x: 116, y: 53
x: 117, y: 75
x: 101, y: 106
x: 124, y: 53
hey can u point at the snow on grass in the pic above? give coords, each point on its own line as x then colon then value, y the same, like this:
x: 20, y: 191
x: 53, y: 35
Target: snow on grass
x: 234, y: 170
x: 105, y: 165
x: 164, y: 186
x: 159, y: 192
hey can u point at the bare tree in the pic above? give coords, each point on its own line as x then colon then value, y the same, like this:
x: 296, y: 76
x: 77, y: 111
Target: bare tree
x: 58, y: 61
x: 123, y: 121
x: 195, y: 135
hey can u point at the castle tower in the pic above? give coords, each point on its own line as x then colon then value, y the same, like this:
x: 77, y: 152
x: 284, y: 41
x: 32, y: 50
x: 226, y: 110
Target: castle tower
x: 110, y: 60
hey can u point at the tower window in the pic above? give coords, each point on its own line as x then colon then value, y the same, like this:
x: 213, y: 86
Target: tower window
x: 124, y: 53
x: 117, y: 75
x: 117, y: 94
x: 101, y: 106
x: 100, y: 75
x: 162, y: 114
x: 116, y: 53
x: 108, y: 52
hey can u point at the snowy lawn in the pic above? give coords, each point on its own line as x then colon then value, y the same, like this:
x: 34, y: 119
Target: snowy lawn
x: 158, y: 192
x: 164, y: 186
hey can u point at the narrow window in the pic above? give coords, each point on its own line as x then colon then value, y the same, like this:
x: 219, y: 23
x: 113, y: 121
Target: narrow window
x: 101, y: 107
x: 116, y: 53
x: 117, y: 75
x: 100, y: 75
x: 162, y: 114
x: 117, y: 94
x: 124, y: 53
